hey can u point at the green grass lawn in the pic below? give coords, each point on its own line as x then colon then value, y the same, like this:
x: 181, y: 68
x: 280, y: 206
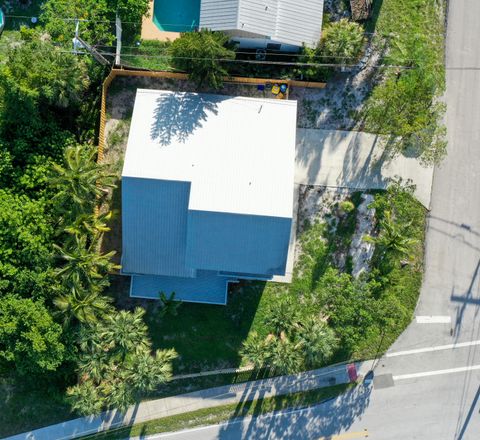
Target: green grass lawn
x: 29, y: 406
x: 205, y: 336
x: 402, y: 21
x: 150, y: 54
x: 224, y: 413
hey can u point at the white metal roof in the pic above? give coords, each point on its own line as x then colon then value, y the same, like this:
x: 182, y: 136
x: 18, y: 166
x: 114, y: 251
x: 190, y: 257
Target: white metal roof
x: 286, y: 21
x: 238, y: 153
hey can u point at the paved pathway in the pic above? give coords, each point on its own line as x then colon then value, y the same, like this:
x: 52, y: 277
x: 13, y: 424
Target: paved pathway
x: 352, y: 159
x: 208, y: 398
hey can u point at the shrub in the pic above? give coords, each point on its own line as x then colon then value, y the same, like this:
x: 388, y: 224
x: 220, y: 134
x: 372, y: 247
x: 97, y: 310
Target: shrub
x: 201, y: 55
x: 343, y: 40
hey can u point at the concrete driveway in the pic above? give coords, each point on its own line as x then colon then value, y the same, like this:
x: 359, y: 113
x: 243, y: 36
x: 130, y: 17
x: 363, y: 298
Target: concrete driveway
x: 351, y: 159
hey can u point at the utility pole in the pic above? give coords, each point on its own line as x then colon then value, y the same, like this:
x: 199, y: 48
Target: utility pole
x: 79, y: 43
x: 118, y: 27
x: 76, y: 43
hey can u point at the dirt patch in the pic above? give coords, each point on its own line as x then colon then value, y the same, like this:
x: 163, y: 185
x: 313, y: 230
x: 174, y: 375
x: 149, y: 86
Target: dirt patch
x: 361, y: 251
x: 338, y: 105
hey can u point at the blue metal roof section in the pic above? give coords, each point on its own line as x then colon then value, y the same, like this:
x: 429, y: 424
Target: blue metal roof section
x: 237, y: 242
x: 207, y: 287
x: 154, y: 227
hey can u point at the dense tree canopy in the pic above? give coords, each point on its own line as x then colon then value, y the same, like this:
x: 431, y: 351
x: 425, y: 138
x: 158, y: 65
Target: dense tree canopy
x: 25, y: 240
x: 97, y: 18
x: 37, y: 82
x: 42, y: 72
x: 29, y: 338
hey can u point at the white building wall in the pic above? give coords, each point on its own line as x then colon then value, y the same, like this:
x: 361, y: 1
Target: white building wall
x: 290, y: 22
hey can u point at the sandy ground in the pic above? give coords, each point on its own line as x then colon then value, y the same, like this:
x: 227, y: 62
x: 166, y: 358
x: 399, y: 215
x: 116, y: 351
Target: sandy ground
x: 318, y: 204
x: 337, y: 106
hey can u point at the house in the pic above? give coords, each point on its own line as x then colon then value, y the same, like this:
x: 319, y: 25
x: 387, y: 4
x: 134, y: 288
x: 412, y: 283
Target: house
x: 283, y: 25
x: 207, y: 193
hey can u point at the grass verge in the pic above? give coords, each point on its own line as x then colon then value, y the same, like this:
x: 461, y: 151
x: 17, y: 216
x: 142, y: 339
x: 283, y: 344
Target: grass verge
x: 225, y: 413
x: 150, y: 54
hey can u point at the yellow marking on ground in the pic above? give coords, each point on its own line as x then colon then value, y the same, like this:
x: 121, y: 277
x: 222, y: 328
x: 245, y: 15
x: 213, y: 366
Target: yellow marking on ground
x: 347, y: 435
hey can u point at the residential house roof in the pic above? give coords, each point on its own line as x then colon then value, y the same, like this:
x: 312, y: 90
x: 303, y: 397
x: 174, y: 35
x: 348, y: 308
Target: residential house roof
x: 207, y: 192
x: 293, y: 22
x: 238, y: 153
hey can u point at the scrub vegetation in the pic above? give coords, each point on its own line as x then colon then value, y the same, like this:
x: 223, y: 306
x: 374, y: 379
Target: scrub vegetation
x: 406, y: 104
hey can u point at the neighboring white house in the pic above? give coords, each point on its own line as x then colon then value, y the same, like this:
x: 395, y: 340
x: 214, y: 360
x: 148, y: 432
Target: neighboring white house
x: 272, y: 24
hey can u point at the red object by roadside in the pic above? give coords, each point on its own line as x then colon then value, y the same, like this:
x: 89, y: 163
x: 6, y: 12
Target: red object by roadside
x: 352, y: 372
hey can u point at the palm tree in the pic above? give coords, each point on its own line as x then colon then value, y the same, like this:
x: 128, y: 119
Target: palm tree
x: 147, y: 371
x: 85, y: 398
x: 126, y: 331
x: 282, y: 315
x: 317, y: 341
x: 199, y: 54
x: 90, y: 224
x: 84, y: 262
x: 343, y: 40
x: 81, y: 180
x: 116, y: 359
x: 87, y: 306
x: 255, y: 350
x: 285, y: 355
x: 392, y: 238
x: 169, y: 304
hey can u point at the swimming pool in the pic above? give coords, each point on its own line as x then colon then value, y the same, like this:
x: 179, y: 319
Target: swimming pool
x: 176, y: 15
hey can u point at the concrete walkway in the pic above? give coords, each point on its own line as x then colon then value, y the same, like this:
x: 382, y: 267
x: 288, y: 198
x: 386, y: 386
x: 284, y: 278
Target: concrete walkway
x: 229, y: 394
x: 351, y: 159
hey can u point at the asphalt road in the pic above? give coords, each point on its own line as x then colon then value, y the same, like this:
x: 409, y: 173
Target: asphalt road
x: 444, y: 402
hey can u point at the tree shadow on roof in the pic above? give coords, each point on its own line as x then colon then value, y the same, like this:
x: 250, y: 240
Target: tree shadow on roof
x: 178, y: 115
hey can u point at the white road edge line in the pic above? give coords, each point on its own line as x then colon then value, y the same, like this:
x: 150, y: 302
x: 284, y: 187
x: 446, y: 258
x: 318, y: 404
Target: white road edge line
x: 434, y: 348
x: 436, y: 372
x: 433, y: 319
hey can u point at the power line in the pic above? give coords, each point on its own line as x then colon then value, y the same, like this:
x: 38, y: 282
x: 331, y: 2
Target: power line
x: 277, y: 63
x: 289, y: 55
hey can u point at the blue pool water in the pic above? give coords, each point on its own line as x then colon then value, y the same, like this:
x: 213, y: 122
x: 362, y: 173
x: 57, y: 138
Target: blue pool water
x: 176, y: 15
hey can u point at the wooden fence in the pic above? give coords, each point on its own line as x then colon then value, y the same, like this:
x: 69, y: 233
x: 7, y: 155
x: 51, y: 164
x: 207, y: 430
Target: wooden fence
x: 182, y: 76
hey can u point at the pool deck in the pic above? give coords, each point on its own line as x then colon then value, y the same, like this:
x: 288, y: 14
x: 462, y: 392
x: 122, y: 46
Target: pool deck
x: 151, y: 32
